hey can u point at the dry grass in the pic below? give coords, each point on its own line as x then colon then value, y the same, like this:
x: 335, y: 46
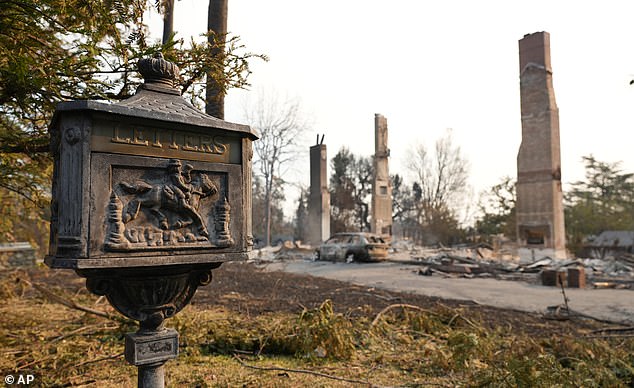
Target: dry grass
x: 402, y: 346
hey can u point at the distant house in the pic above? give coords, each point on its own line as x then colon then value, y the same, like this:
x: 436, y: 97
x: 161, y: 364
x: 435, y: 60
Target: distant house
x: 610, y: 243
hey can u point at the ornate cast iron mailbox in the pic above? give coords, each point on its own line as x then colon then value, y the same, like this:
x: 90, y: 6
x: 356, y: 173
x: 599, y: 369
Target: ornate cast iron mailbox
x: 149, y: 196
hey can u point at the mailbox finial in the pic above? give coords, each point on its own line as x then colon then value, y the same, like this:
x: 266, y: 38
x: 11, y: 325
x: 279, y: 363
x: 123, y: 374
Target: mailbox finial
x: 157, y: 71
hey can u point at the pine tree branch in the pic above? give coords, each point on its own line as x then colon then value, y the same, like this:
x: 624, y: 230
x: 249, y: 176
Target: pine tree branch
x: 304, y: 371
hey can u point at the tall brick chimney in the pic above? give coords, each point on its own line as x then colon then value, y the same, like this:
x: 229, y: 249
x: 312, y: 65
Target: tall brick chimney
x: 540, y: 215
x: 319, y: 197
x: 381, y: 186
x: 535, y: 48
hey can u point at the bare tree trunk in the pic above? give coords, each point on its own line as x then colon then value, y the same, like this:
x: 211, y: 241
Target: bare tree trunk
x: 267, y: 211
x: 216, y: 22
x: 168, y: 20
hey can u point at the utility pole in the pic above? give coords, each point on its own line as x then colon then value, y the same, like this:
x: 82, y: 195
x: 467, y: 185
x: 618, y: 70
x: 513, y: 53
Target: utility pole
x: 217, y: 22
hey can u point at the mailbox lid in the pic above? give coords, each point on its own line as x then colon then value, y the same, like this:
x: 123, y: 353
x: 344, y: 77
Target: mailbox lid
x: 151, y: 105
x: 158, y: 98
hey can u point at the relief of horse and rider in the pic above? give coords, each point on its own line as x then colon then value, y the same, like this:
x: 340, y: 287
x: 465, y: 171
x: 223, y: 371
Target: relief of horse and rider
x: 167, y: 210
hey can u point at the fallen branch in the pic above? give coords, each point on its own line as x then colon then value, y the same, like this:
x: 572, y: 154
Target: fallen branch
x: 386, y: 298
x: 280, y: 369
x: 602, y: 320
x: 458, y: 315
x: 468, y: 321
x: 34, y: 362
x: 401, y: 305
x: 72, y: 333
x: 609, y: 336
x: 113, y: 356
x: 613, y: 330
x: 573, y: 313
x: 69, y: 303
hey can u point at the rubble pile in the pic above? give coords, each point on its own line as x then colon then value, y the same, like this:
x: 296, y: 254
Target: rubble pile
x: 448, y: 263
x: 483, y: 261
x: 611, y: 272
x: 286, y: 251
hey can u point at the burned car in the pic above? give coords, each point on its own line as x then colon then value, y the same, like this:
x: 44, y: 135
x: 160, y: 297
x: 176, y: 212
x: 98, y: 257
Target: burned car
x: 355, y: 246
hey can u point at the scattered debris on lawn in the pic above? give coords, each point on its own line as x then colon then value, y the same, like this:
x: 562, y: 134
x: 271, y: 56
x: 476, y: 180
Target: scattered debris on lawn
x: 483, y: 261
x: 601, y: 273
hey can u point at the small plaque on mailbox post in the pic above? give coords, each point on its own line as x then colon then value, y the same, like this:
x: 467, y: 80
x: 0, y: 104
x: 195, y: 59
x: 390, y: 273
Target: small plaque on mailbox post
x: 147, y: 349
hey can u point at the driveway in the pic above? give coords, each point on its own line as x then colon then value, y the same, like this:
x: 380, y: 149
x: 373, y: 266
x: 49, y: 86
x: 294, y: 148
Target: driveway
x: 606, y: 304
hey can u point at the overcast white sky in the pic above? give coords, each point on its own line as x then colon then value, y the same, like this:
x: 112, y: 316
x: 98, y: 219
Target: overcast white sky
x: 428, y: 66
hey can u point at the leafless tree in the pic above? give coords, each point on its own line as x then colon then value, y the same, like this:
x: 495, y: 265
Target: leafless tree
x: 442, y: 175
x: 280, y: 123
x: 441, y: 182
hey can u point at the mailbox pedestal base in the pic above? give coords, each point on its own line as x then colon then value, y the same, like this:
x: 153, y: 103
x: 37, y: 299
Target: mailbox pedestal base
x: 150, y: 295
x: 149, y: 350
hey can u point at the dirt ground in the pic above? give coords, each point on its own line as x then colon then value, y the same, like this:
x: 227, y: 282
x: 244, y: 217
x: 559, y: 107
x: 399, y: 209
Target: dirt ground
x: 243, y: 288
x: 246, y: 302
x: 246, y: 289
x: 505, y: 291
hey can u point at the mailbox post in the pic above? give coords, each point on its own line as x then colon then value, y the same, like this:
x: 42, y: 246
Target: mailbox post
x: 149, y: 196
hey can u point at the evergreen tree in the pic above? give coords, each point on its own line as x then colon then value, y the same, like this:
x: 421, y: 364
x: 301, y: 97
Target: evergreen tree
x: 301, y: 216
x: 60, y: 50
x: 350, y: 189
x: 604, y: 201
x: 497, y: 210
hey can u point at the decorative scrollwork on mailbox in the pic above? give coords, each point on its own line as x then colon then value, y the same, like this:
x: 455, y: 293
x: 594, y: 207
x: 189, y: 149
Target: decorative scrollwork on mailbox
x: 72, y: 135
x: 162, y: 297
x: 166, y: 211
